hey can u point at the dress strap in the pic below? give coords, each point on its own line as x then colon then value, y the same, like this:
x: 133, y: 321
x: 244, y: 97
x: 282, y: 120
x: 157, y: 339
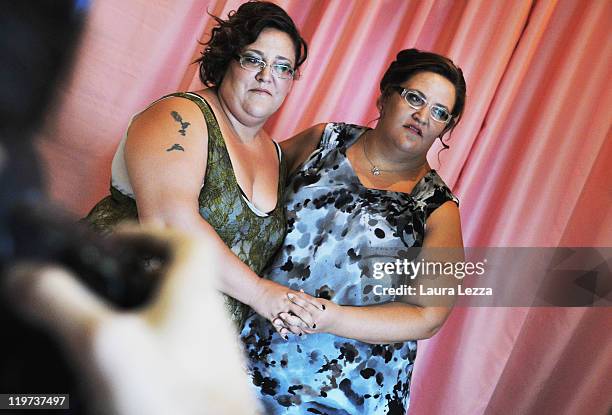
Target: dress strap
x: 214, y: 131
x: 432, y: 192
x: 336, y: 135
x: 216, y: 145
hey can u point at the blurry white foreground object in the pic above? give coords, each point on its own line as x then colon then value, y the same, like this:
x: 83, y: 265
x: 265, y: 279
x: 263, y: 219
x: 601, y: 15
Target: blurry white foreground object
x: 178, y: 355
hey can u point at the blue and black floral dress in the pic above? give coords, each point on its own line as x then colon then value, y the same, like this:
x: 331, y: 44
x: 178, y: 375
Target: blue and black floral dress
x: 336, y: 229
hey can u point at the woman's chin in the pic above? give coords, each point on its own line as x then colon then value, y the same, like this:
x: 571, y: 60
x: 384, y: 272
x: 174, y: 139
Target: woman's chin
x: 259, y: 110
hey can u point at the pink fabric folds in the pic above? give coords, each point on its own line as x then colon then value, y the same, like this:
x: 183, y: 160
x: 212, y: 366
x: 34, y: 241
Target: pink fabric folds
x: 529, y: 162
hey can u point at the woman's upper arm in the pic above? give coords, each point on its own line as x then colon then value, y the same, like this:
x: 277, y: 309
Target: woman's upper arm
x: 165, y: 155
x: 443, y: 243
x: 443, y: 228
x: 297, y: 148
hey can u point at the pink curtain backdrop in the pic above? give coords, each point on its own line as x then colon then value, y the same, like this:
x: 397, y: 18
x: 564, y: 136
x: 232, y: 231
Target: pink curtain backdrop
x: 529, y: 162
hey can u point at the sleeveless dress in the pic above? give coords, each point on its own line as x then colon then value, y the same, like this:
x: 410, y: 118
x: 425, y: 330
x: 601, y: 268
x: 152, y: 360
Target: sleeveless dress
x: 336, y: 229
x: 252, y: 235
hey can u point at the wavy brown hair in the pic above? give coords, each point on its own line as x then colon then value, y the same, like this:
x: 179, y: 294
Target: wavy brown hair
x: 242, y: 28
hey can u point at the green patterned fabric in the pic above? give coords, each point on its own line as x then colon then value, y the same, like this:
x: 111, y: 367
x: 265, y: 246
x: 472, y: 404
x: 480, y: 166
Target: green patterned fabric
x: 254, y: 239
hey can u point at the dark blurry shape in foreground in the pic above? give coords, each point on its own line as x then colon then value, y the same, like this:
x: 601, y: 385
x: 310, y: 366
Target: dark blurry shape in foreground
x: 37, y: 42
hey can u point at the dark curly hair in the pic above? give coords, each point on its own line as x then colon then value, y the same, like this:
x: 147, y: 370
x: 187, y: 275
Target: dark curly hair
x: 409, y: 62
x: 242, y: 28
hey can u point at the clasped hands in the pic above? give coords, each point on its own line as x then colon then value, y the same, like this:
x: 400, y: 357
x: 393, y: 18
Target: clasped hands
x: 294, y: 312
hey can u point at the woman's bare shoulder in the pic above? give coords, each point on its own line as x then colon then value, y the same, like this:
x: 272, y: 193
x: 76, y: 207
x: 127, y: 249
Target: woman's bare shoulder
x: 168, y: 116
x: 444, y: 226
x: 166, y: 153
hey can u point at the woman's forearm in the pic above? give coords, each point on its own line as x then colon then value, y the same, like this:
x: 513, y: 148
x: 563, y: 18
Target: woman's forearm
x: 229, y: 274
x: 385, y: 323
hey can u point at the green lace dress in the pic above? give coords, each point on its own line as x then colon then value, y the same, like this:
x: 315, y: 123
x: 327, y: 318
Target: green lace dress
x: 254, y: 237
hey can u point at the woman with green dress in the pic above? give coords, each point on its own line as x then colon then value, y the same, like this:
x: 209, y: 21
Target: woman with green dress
x: 201, y: 161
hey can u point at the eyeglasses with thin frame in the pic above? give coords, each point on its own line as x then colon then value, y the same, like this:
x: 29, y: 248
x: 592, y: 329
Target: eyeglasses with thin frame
x: 256, y: 64
x: 416, y: 100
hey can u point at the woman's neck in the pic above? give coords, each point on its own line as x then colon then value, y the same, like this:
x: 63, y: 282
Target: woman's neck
x: 380, y: 153
x: 245, y: 131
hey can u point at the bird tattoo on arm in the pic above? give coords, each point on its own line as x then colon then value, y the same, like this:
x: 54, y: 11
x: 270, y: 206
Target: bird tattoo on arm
x: 177, y: 147
x: 177, y: 117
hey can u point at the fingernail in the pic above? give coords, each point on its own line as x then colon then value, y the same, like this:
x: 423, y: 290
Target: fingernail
x: 300, y: 334
x: 314, y: 326
x: 323, y: 305
x: 286, y: 337
x: 291, y: 296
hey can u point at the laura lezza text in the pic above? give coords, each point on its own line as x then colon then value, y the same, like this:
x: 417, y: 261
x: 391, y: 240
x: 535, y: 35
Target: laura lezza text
x: 422, y: 290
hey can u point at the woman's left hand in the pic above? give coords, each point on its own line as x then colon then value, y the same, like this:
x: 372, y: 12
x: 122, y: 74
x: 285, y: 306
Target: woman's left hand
x: 318, y: 313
